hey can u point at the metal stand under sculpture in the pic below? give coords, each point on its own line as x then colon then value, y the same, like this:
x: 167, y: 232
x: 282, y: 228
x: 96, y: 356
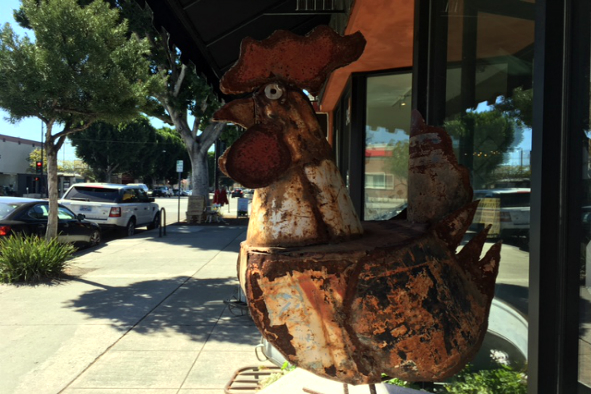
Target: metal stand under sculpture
x: 343, y: 299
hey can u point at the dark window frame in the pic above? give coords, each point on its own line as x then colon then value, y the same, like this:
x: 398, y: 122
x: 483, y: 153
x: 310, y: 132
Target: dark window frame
x: 556, y: 173
x: 348, y: 138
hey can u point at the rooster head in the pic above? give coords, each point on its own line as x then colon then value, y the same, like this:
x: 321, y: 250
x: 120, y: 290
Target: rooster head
x: 279, y: 117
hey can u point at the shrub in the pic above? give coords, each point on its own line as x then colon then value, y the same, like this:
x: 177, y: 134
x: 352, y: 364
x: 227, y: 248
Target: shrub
x: 502, y: 380
x: 285, y: 369
x: 399, y: 382
x: 29, y: 258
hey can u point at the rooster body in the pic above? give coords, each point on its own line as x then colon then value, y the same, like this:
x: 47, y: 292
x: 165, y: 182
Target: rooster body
x: 394, y: 298
x: 307, y: 202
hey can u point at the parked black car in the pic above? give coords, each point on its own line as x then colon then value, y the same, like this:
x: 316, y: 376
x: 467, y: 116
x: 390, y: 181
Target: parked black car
x: 29, y: 216
x: 161, y: 191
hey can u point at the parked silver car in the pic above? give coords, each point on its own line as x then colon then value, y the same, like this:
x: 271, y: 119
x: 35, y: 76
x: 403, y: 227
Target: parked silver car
x: 123, y: 207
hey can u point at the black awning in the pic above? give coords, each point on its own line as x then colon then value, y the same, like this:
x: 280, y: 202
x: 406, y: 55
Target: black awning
x: 209, y: 32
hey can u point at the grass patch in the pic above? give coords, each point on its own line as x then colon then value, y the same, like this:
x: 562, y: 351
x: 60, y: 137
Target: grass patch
x: 501, y: 380
x: 29, y: 258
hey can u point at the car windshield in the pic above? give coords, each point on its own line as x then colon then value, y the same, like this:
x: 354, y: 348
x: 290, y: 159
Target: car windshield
x: 508, y: 199
x: 6, y: 209
x: 91, y: 193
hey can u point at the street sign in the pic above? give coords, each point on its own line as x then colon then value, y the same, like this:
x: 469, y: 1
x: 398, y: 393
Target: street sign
x: 179, y: 166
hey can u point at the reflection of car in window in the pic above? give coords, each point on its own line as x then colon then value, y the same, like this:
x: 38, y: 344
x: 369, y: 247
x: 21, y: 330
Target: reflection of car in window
x: 506, y: 209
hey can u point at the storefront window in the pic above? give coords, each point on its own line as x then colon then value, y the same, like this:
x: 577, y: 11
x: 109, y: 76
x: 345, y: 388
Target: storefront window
x: 585, y: 263
x: 585, y: 268
x: 488, y: 113
x: 386, y: 144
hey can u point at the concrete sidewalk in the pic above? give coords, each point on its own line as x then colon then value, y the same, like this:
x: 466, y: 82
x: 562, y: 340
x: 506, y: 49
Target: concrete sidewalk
x: 139, y: 315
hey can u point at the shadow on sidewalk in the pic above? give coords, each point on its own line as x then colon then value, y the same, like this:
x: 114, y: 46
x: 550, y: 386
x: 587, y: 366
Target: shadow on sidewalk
x: 187, y: 306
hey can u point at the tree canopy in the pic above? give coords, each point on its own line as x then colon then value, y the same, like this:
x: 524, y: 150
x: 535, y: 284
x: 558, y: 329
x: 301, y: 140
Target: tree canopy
x: 187, y: 103
x: 492, y: 133
x: 135, y: 148
x: 82, y: 67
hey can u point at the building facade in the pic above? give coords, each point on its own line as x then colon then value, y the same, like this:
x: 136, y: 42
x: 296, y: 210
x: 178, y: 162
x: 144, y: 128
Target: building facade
x: 15, y: 175
x: 508, y: 79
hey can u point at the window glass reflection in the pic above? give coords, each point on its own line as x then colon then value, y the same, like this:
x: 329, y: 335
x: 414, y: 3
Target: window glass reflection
x: 585, y: 263
x: 386, y: 145
x: 488, y: 107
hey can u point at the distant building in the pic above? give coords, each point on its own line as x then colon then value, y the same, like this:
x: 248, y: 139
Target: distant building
x: 385, y: 192
x: 14, y: 166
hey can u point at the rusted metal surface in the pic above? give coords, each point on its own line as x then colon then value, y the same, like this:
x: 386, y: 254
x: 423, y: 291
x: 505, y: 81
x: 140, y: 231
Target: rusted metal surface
x: 302, y: 61
x: 301, y: 197
x: 437, y: 184
x: 394, y: 298
x: 398, y: 301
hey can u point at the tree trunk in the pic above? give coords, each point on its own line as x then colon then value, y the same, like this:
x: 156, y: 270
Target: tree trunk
x: 52, y: 148
x: 197, y: 147
x: 199, y: 173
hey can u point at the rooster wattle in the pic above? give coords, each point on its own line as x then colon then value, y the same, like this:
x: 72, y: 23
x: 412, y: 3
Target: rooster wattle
x: 344, y: 299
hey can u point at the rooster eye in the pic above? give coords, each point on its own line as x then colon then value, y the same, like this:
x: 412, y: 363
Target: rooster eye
x: 273, y: 91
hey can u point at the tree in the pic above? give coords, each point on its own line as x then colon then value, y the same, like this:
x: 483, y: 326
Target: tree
x: 399, y: 160
x: 188, y: 103
x: 169, y: 150
x: 135, y: 148
x: 109, y: 149
x: 81, y: 68
x: 519, y: 106
x: 493, y: 133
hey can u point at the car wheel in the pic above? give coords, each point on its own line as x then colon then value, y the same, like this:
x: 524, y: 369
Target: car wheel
x: 130, y: 228
x: 155, y: 223
x: 95, y: 238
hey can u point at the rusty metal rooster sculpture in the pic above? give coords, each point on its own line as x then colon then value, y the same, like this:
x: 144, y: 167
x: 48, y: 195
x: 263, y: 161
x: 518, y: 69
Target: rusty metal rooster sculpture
x: 395, y: 298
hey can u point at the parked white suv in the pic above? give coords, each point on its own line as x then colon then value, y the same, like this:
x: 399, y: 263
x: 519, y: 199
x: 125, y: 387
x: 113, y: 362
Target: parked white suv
x: 506, y: 209
x: 110, y: 205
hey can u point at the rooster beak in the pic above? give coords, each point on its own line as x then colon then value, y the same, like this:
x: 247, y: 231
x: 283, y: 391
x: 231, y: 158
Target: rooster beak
x: 239, y: 111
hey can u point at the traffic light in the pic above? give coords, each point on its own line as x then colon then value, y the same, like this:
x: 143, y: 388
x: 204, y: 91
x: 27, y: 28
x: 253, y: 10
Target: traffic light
x: 36, y: 179
x: 39, y: 167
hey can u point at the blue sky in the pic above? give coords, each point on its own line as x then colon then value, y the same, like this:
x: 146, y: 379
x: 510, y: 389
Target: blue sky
x: 31, y: 128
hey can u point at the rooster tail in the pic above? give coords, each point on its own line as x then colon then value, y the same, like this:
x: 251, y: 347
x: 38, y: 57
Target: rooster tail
x: 470, y: 253
x: 488, y: 268
x: 484, y: 271
x: 452, y: 228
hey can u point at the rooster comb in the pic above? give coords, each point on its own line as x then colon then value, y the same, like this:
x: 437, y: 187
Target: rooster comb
x: 304, y: 61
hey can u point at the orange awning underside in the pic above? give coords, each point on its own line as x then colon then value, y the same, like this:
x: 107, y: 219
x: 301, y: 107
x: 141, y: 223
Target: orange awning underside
x: 388, y: 28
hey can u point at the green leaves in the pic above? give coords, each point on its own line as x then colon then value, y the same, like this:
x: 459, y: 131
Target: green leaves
x: 29, y: 258
x: 82, y: 67
x: 502, y: 380
x: 134, y: 147
x: 490, y: 134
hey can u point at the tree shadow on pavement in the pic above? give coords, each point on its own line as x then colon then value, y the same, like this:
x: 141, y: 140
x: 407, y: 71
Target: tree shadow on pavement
x: 206, y: 238
x: 193, y: 307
